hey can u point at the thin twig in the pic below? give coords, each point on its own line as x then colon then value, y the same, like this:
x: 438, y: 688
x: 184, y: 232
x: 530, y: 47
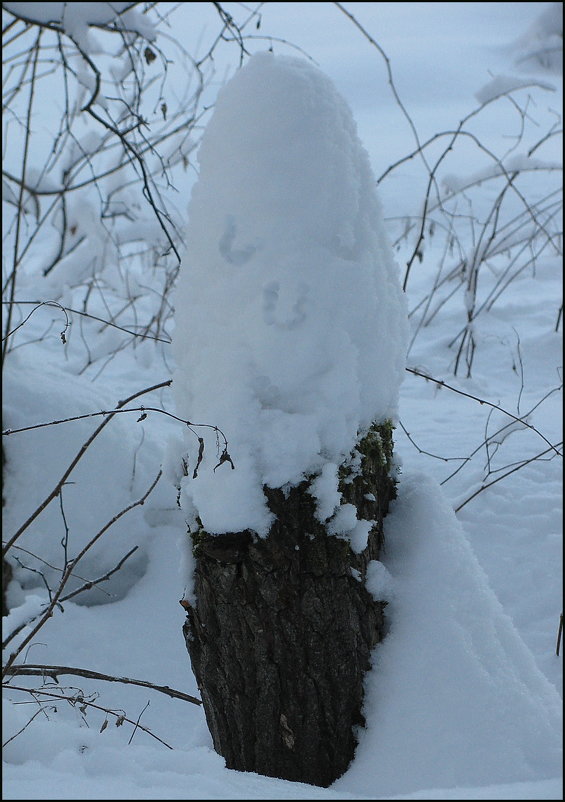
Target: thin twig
x: 442, y: 383
x: 19, y: 732
x: 142, y: 409
x: 73, y: 701
x: 504, y: 475
x: 137, y: 722
x: 498, y: 432
x: 53, y: 672
x: 423, y: 451
x: 37, y: 306
x: 28, y: 129
x: 83, y: 449
x: 88, y: 585
x: 68, y: 571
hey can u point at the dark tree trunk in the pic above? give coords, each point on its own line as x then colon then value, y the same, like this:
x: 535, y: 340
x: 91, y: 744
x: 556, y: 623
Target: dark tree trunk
x: 6, y: 567
x: 281, y: 635
x: 6, y: 577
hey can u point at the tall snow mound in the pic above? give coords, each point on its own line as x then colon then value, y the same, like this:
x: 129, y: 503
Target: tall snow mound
x: 456, y: 699
x: 291, y: 325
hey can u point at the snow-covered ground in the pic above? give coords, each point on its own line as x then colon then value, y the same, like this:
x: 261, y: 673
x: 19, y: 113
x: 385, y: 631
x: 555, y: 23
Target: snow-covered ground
x: 464, y: 698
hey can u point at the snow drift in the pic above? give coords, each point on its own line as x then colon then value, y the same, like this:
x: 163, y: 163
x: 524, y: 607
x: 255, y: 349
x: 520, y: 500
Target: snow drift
x: 455, y: 697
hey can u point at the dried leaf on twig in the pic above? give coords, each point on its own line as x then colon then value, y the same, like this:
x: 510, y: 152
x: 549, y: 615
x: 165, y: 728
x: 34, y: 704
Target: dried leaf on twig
x: 200, y: 455
x: 225, y: 458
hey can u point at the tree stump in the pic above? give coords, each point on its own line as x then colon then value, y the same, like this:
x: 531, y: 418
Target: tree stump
x: 283, y: 627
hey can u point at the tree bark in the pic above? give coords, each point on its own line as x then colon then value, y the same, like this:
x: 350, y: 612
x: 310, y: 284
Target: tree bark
x: 283, y: 627
x: 6, y: 567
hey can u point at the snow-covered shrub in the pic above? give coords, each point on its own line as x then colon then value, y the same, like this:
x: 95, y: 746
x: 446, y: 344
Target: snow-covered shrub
x: 96, y: 134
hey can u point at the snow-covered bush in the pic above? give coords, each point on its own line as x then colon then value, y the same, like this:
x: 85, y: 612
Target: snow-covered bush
x: 98, y: 135
x: 484, y: 229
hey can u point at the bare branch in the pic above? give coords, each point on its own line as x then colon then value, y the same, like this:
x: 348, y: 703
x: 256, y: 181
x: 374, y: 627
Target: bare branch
x: 518, y: 467
x: 83, y: 449
x: 79, y: 699
x: 481, y: 401
x: 19, y: 732
x: 53, y: 672
x: 68, y: 570
x: 28, y: 129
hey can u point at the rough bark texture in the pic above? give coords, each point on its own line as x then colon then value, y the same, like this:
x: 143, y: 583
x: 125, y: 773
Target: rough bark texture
x: 281, y: 635
x: 6, y: 567
x: 6, y: 577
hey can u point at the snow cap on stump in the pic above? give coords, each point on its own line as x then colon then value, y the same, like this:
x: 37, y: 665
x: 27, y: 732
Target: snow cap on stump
x: 291, y: 325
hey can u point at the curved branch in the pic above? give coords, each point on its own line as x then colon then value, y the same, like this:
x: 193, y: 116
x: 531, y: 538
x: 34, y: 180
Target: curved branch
x: 87, y: 315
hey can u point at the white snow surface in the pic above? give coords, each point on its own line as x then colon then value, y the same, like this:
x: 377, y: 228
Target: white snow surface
x: 454, y: 701
x: 290, y: 328
x: 500, y: 716
x: 463, y: 698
